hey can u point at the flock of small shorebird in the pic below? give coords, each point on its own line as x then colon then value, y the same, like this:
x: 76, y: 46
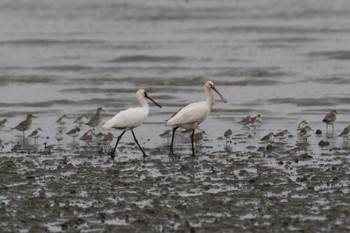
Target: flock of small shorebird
x: 304, y: 129
x: 188, y: 118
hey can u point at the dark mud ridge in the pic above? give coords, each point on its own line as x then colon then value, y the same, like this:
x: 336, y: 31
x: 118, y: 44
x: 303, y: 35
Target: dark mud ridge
x: 265, y: 189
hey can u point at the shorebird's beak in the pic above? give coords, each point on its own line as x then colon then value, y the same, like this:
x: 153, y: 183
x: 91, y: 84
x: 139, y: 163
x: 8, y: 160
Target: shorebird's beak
x: 152, y: 100
x: 222, y: 97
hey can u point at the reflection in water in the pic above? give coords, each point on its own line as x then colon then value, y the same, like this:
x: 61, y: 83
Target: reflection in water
x: 345, y: 144
x: 228, y: 147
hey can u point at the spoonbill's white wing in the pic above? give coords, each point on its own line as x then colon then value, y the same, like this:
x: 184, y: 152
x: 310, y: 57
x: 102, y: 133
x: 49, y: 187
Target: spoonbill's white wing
x: 192, y: 113
x: 127, y: 119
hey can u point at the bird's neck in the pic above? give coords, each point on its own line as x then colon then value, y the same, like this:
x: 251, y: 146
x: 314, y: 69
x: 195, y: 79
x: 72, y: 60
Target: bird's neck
x: 210, y: 97
x: 143, y: 103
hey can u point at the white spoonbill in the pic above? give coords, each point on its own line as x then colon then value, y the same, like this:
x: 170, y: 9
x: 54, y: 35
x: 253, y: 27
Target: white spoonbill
x: 193, y: 114
x: 130, y: 118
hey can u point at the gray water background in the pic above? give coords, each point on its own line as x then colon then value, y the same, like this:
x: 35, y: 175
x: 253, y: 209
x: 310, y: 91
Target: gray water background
x: 287, y: 60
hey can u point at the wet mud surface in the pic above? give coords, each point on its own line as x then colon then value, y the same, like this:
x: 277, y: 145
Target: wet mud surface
x: 266, y: 188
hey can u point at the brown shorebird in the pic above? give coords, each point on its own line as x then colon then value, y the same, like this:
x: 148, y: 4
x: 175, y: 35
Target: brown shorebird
x: 268, y: 138
x: 74, y: 133
x: 26, y: 124
x: 165, y: 134
x: 345, y: 133
x: 306, y: 132
x: 83, y: 119
x: 2, y: 123
x: 330, y: 118
x: 36, y: 134
x: 246, y: 121
x: 88, y: 136
x: 59, y: 136
x: 255, y: 121
x: 99, y: 136
x: 96, y: 119
x: 62, y: 120
x: 302, y: 125
x: 282, y: 134
x: 227, y: 135
x: 107, y: 138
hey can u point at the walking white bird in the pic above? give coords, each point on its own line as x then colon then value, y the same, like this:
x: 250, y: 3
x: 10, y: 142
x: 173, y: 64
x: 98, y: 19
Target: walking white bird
x: 130, y: 119
x: 193, y: 114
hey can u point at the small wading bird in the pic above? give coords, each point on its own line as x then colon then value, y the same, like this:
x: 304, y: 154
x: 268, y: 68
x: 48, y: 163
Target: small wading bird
x: 36, y: 134
x: 62, y: 120
x: 107, y: 138
x: 302, y: 125
x: 166, y: 134
x: 99, y: 136
x: 345, y: 133
x: 198, y: 137
x: 246, y: 121
x: 330, y: 118
x: 227, y: 135
x: 282, y: 134
x: 255, y: 121
x: 2, y: 123
x: 26, y: 124
x: 59, y: 136
x: 83, y: 119
x: 305, y: 132
x: 268, y: 138
x: 96, y: 119
x: 74, y: 133
x: 87, y: 136
x: 191, y: 116
x: 130, y: 119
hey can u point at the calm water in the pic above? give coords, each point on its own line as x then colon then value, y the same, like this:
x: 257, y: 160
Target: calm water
x: 288, y: 60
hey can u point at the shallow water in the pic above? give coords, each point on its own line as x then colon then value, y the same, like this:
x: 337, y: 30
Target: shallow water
x: 287, y: 60
x: 284, y: 60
